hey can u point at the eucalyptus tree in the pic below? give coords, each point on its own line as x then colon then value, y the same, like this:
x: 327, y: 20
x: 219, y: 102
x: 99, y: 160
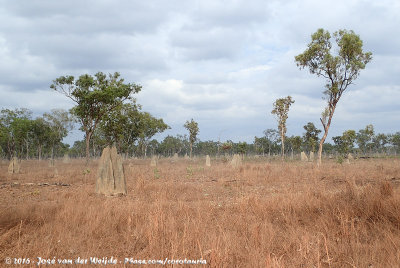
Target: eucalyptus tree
x: 148, y: 127
x: 364, y: 138
x: 338, y: 70
x: 42, y: 135
x: 379, y: 142
x: 193, y: 128
x: 94, y: 97
x: 15, y: 131
x: 61, y: 122
x: 345, y: 143
x: 207, y: 147
x: 281, y: 110
x: 171, y: 145
x: 242, y: 148
x: 394, y: 140
x: 127, y: 124
x: 22, y: 135
x: 272, y: 136
x: 295, y: 143
x: 154, y: 146
x: 121, y: 126
x: 268, y: 143
x: 261, y: 144
x: 311, y: 136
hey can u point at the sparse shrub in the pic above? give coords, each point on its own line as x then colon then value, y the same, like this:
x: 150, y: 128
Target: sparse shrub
x: 340, y: 159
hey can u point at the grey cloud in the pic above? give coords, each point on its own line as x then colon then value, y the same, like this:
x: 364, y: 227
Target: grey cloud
x: 89, y: 17
x: 232, y: 14
x: 49, y: 39
x: 218, y: 30
x: 206, y: 44
x: 233, y: 59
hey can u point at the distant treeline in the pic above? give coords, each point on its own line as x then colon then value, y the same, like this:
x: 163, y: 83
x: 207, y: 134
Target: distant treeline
x: 41, y: 137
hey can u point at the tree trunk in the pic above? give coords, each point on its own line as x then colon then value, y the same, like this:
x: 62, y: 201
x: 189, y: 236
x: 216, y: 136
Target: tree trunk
x: 88, y: 135
x: 94, y: 149
x: 11, y: 148
x: 321, y: 143
x: 191, y: 146
x: 40, y: 152
x: 283, y: 145
x: 332, y: 108
x: 27, y: 150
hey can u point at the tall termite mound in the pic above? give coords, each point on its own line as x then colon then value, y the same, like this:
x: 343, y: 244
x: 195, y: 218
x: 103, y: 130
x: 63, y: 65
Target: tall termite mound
x: 236, y: 161
x: 208, y: 161
x: 303, y: 157
x: 14, y: 166
x: 110, y: 176
x: 153, y: 162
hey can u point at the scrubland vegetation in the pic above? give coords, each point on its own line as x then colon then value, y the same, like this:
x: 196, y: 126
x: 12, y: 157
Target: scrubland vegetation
x: 261, y: 214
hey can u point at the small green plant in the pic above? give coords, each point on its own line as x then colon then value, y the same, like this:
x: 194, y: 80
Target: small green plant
x: 189, y: 172
x: 86, y: 172
x: 156, y: 173
x: 340, y: 159
x: 35, y: 193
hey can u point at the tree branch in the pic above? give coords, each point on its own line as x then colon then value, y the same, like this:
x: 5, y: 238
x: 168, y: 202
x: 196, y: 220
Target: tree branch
x: 323, y: 124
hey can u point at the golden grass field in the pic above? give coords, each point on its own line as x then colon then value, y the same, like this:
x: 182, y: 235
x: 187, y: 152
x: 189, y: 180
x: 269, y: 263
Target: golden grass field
x: 262, y: 214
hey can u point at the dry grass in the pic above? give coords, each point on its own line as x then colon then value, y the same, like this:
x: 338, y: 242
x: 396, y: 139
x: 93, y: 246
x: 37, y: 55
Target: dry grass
x: 259, y: 215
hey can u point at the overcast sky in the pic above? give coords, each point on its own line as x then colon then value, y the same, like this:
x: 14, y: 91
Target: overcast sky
x: 222, y: 63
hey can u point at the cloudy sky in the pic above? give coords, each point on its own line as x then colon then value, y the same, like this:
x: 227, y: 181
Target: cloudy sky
x: 222, y: 63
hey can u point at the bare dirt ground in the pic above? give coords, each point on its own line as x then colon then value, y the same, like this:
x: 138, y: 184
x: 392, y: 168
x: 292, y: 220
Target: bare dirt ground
x: 262, y: 214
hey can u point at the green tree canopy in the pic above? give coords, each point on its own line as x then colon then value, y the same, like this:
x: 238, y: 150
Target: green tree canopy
x: 42, y: 134
x: 379, y: 141
x: 171, y: 145
x: 345, y: 143
x: 15, y: 131
x: 311, y: 136
x: 127, y: 124
x: 94, y: 97
x: 193, y: 128
x: 395, y: 141
x: 121, y: 126
x: 364, y: 138
x: 295, y: 143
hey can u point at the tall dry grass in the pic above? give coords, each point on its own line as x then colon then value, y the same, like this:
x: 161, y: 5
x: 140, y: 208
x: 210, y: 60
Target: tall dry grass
x: 262, y: 214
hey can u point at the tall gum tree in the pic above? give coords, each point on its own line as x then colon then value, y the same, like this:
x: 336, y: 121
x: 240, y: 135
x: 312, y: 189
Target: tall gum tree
x: 281, y: 110
x: 193, y: 128
x: 94, y: 97
x: 339, y: 70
